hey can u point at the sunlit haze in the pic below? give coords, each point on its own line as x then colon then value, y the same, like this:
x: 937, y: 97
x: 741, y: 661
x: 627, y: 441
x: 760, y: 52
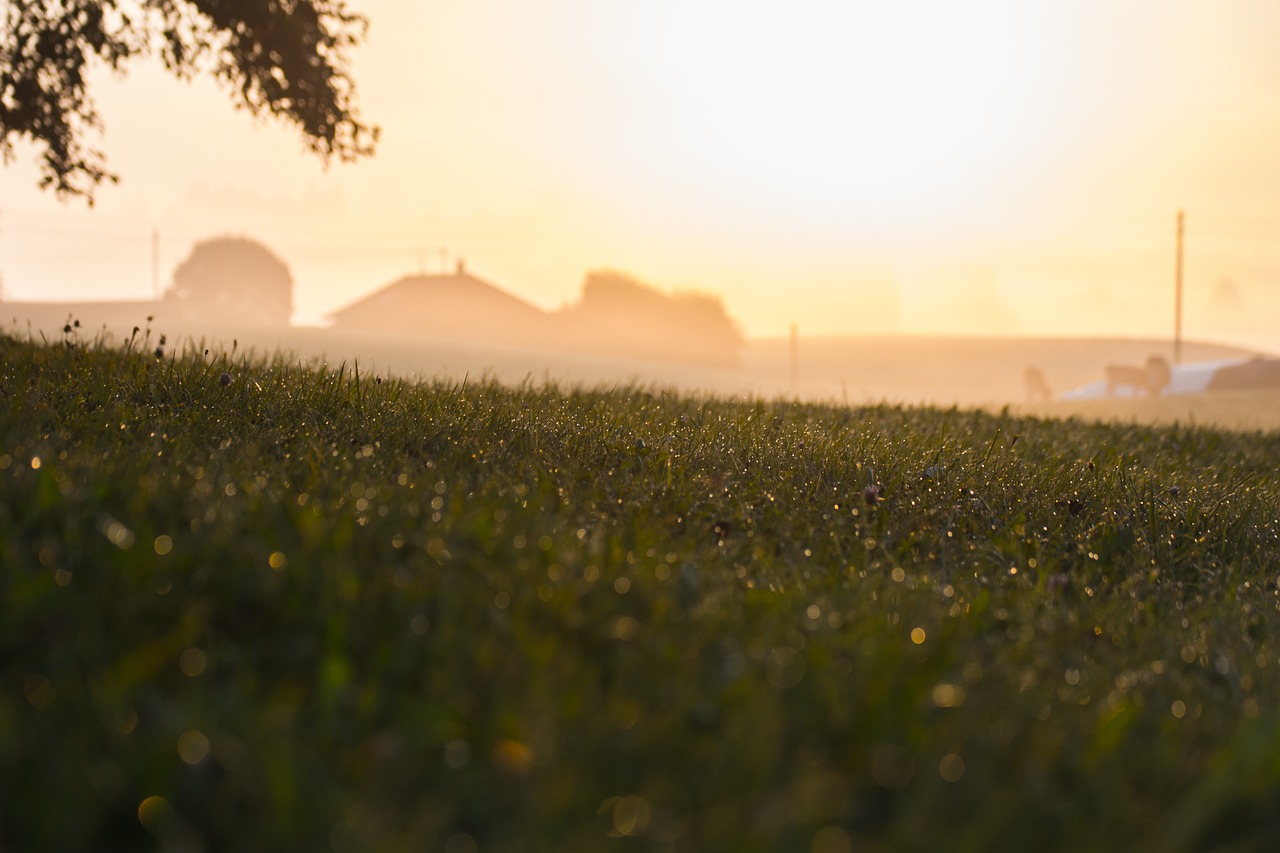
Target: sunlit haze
x: 995, y: 167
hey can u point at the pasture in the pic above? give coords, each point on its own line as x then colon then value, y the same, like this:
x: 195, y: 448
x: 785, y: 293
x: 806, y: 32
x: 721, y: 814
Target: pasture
x: 252, y: 602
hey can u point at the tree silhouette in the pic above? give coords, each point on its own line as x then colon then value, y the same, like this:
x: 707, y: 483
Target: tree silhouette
x: 235, y: 279
x: 619, y: 313
x: 286, y: 58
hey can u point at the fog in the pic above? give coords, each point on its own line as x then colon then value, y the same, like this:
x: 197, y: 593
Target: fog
x: 896, y: 181
x: 233, y: 295
x: 1231, y: 275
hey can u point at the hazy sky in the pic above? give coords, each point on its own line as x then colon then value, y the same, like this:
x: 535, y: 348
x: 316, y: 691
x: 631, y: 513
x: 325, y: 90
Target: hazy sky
x: 995, y: 165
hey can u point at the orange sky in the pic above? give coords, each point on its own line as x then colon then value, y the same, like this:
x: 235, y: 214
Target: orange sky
x: 996, y: 166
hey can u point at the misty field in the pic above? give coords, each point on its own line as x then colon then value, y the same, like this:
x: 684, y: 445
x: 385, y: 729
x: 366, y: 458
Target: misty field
x: 247, y: 603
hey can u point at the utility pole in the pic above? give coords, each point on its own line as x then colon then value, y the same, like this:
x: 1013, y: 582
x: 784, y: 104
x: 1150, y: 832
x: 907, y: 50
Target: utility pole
x: 1177, y: 295
x: 155, y: 263
x: 795, y: 360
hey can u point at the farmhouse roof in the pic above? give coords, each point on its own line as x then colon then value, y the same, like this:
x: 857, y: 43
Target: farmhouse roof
x: 457, y: 303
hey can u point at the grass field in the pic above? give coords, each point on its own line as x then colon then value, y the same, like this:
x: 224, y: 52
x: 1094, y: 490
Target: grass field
x: 260, y: 605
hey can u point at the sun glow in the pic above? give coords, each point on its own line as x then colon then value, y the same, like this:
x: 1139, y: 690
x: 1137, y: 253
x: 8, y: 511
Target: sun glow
x: 880, y: 106
x: 920, y: 166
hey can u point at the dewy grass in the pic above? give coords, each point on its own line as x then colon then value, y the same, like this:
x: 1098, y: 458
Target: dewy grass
x: 254, y: 604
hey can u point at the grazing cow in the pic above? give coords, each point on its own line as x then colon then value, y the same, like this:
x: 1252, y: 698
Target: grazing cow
x: 1037, y: 385
x: 1149, y: 381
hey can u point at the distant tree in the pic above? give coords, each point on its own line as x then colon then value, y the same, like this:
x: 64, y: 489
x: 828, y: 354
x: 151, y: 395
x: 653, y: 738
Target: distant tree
x: 235, y: 279
x: 622, y: 314
x: 285, y: 58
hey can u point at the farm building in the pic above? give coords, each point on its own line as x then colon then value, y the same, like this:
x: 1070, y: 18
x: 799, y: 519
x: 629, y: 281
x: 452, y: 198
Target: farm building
x: 616, y: 317
x: 455, y: 305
